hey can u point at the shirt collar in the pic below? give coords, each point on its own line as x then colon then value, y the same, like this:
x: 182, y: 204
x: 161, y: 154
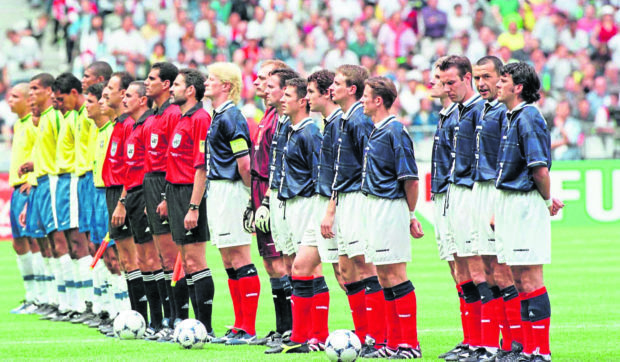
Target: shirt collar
x: 446, y: 111
x: 516, y: 110
x: 223, y: 107
x: 143, y: 118
x: 82, y: 109
x: 282, y: 119
x: 25, y: 118
x: 353, y: 108
x: 302, y: 124
x: 385, y: 122
x: 159, y: 111
x: 470, y: 101
x: 47, y: 111
x: 333, y: 115
x: 121, y: 118
x: 105, y: 126
x: 190, y: 112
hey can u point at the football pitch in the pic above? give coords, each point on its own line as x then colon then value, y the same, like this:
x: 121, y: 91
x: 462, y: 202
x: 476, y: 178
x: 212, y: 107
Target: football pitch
x: 582, y: 282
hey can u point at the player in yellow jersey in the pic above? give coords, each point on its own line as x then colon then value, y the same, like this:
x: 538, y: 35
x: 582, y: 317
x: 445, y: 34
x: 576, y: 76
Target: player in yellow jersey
x: 43, y: 207
x: 24, y: 134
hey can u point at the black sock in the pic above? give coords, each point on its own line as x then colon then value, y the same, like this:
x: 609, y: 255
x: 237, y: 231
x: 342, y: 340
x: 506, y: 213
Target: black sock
x: 287, y: 311
x: 170, y: 298
x: 470, y: 292
x: 135, y: 286
x: 192, y: 295
x: 204, y: 290
x: 319, y: 285
x: 180, y: 294
x: 486, y: 294
x: 153, y: 298
x: 163, y: 293
x: 132, y: 297
x: 278, y: 295
x: 371, y: 285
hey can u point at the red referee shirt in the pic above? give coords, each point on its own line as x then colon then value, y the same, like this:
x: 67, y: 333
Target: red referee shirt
x: 135, y: 152
x: 157, y: 134
x: 186, y: 147
x: 262, y: 144
x: 114, y: 168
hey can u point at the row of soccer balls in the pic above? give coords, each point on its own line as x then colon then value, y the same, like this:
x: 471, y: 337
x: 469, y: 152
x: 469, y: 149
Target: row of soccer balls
x: 341, y: 345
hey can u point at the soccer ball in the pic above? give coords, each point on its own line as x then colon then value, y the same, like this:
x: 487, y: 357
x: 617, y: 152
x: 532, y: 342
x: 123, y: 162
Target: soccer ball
x: 343, y: 346
x: 129, y: 324
x: 190, y: 334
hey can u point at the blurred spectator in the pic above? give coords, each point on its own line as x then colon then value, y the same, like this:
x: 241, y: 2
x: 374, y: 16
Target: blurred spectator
x: 513, y: 39
x: 561, y: 64
x: 396, y: 38
x: 566, y: 134
x: 349, y: 9
x: 606, y: 28
x: 339, y: 56
x: 506, y: 11
x: 459, y: 22
x: 584, y: 113
x: 434, y: 21
x: 574, y: 38
x: 598, y: 95
x: 361, y: 46
x: 22, y: 52
x: 411, y: 93
x: 426, y: 116
x: 589, y: 21
x: 606, y: 124
x: 546, y: 30
x: 308, y: 55
x: 126, y: 43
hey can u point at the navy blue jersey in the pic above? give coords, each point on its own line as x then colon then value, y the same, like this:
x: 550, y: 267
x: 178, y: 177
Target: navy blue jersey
x: 488, y: 136
x: 228, y: 138
x: 329, y: 145
x: 442, y: 150
x: 277, y: 146
x: 353, y: 133
x: 525, y: 144
x: 463, y: 141
x: 388, y: 160
x: 300, y: 161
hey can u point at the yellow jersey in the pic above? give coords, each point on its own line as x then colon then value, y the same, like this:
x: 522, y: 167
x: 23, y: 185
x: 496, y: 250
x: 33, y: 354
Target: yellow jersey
x: 65, y: 153
x: 82, y: 139
x: 92, y: 144
x: 47, y: 137
x: 103, y: 138
x: 24, y: 136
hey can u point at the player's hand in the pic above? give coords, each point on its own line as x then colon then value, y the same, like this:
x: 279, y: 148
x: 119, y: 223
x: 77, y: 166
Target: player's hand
x: 162, y: 210
x: 191, y: 219
x: 327, y: 226
x: 415, y: 228
x: 118, y: 217
x: 263, y: 216
x: 22, y: 217
x: 492, y: 223
x: 25, y: 188
x: 248, y: 218
x: 25, y: 168
x: 555, y: 207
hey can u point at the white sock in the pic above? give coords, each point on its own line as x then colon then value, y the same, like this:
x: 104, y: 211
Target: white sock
x: 96, y: 290
x: 50, y: 281
x: 63, y: 305
x: 38, y: 266
x: 85, y: 291
x: 66, y: 269
x: 24, y: 263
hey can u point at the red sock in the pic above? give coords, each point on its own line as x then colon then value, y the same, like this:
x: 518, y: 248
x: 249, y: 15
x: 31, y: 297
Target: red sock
x: 463, y: 314
x: 539, y: 307
x: 357, y: 302
x: 526, y: 325
x: 473, y: 323
x: 235, y: 295
x: 393, y: 324
x: 406, y: 307
x: 320, y: 316
x: 504, y: 327
x: 489, y: 324
x: 512, y: 308
x: 375, y: 312
x: 301, y: 303
x: 249, y: 291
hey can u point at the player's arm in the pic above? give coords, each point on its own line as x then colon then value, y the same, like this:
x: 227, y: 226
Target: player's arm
x: 541, y: 177
x: 200, y: 182
x: 327, y: 225
x: 411, y: 187
x: 118, y: 217
x: 243, y: 163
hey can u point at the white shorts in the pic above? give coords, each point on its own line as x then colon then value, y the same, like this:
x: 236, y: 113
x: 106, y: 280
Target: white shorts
x: 483, y: 203
x: 328, y: 248
x: 444, y: 244
x: 226, y: 202
x: 522, y: 228
x: 459, y: 213
x: 349, y: 225
x: 276, y: 222
x: 297, y: 214
x: 387, y: 225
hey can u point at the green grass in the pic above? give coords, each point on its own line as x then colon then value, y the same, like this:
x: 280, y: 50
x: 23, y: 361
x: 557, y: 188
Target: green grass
x: 582, y: 283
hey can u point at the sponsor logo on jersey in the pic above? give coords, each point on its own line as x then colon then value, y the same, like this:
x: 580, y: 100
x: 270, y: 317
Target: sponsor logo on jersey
x: 176, y: 141
x: 130, y: 150
x: 154, y: 140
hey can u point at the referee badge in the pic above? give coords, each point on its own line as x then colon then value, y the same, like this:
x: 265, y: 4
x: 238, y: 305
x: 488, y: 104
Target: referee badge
x: 154, y: 140
x: 113, y: 148
x: 130, y: 150
x: 176, y: 141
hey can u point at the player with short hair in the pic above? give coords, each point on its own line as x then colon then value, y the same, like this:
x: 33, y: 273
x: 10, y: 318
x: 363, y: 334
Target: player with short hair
x: 137, y: 105
x: 259, y: 160
x: 361, y: 282
x: 186, y: 178
x: 297, y: 188
x: 96, y: 72
x: 455, y: 73
x: 157, y: 133
x: 390, y: 183
x: 227, y: 153
x: 28, y: 259
x: 523, y: 205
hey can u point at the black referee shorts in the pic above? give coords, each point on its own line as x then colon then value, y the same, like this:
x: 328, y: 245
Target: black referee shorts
x: 112, y: 194
x: 137, y: 219
x: 178, y: 197
x: 154, y: 186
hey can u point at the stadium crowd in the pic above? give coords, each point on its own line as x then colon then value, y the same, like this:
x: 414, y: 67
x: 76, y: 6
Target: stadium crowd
x: 574, y: 46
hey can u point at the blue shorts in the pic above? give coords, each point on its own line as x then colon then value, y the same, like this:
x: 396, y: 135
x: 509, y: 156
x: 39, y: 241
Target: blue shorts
x: 42, y: 209
x: 18, y: 201
x: 67, y: 202
x: 99, y: 221
x: 86, y: 190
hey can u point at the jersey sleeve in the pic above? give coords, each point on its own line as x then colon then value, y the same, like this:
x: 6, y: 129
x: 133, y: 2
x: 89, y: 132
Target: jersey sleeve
x: 404, y: 158
x: 535, y: 142
x: 311, y: 149
x: 239, y: 135
x: 200, y: 136
x: 360, y: 132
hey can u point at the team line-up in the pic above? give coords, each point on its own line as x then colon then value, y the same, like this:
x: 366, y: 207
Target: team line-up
x: 144, y: 163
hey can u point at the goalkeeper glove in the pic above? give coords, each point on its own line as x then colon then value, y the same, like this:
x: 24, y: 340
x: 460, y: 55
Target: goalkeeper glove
x: 262, y: 216
x: 248, y: 218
